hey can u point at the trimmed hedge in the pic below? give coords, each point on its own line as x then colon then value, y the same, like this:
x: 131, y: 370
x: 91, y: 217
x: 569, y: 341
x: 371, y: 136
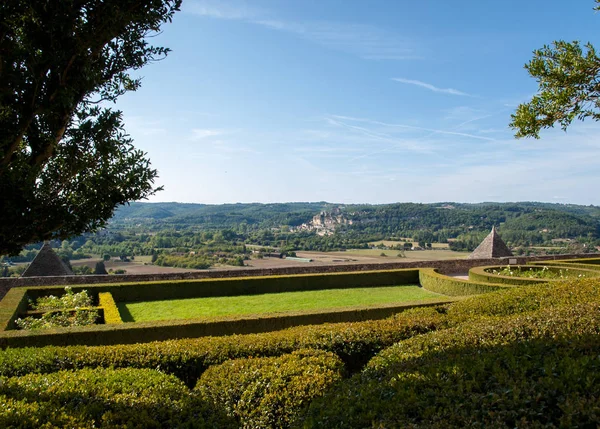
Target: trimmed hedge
x: 482, y: 274
x: 433, y: 281
x: 129, y: 333
x: 111, y: 312
x: 269, y: 392
x: 178, y: 289
x: 536, y: 368
x: 354, y: 343
x: 103, y: 398
x: 15, y: 302
x: 585, y: 263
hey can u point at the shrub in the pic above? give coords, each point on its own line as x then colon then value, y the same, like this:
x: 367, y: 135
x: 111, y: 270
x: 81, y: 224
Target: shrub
x: 537, y: 367
x: 66, y: 301
x: 61, y: 318
x: 102, y: 398
x: 355, y: 343
x: 269, y: 392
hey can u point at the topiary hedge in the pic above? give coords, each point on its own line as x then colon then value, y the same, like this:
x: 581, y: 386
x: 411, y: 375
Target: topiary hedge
x: 354, y: 343
x: 486, y: 274
x: 503, y: 364
x: 269, y: 392
x: 111, y: 312
x: 433, y: 281
x: 104, y: 398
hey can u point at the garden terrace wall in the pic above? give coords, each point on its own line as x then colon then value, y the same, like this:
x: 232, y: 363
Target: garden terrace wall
x: 482, y: 274
x: 445, y: 266
x: 131, y: 333
x: 433, y: 281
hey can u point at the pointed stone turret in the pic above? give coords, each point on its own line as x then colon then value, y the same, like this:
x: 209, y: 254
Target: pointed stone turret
x: 492, y: 246
x: 47, y: 263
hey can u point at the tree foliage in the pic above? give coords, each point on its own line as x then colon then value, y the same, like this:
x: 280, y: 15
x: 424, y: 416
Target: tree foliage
x: 568, y: 75
x: 65, y: 160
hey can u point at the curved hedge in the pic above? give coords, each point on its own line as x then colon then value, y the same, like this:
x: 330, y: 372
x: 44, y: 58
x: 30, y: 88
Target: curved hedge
x: 482, y: 274
x: 536, y: 368
x: 269, y: 392
x: 433, y: 281
x: 354, y: 343
x: 103, y: 398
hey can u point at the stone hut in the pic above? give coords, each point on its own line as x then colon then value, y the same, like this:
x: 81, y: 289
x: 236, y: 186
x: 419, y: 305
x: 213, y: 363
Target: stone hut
x: 47, y: 263
x: 492, y: 246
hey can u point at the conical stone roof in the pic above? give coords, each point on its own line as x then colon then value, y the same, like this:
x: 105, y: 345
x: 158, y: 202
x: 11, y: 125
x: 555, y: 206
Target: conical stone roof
x: 47, y: 263
x: 492, y: 246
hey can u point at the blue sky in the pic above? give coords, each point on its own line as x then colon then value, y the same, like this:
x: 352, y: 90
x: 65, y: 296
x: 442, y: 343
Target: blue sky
x: 359, y: 102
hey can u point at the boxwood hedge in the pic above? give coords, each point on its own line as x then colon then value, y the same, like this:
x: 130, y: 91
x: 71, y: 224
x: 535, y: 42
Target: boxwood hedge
x: 269, y: 392
x: 354, y: 343
x: 104, y: 398
x: 536, y: 367
x: 433, y: 281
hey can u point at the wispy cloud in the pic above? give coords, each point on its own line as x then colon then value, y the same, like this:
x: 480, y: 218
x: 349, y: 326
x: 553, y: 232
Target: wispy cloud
x: 202, y: 133
x: 431, y: 87
x: 239, y: 10
x: 366, y: 41
x: 412, y: 127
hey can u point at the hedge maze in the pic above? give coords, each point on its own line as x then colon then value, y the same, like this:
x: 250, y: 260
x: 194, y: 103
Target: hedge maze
x: 490, y: 353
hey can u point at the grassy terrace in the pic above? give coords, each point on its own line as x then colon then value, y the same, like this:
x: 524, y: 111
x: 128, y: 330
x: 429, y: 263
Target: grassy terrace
x: 270, y: 303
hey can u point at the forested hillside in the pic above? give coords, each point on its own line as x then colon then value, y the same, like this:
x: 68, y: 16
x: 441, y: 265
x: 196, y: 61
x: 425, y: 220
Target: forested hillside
x: 200, y: 236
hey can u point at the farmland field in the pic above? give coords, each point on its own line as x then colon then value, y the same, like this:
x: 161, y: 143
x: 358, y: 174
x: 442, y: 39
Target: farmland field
x: 271, y: 303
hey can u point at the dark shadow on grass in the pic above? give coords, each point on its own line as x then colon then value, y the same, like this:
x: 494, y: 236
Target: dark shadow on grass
x: 124, y: 312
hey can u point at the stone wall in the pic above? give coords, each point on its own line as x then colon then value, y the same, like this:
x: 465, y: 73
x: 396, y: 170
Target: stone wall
x: 449, y: 266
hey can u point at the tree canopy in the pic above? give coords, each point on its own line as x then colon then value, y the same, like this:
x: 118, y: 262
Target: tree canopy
x: 568, y: 75
x: 66, y: 161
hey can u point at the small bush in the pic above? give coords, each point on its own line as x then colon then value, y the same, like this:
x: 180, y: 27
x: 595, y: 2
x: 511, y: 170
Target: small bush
x: 58, y: 319
x: 269, y: 392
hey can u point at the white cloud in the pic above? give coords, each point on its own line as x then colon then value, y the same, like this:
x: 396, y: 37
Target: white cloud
x: 202, y: 133
x: 431, y: 87
x: 239, y: 10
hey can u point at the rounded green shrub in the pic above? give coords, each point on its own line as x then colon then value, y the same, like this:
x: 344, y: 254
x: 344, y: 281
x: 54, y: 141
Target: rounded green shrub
x: 103, y: 398
x: 532, y: 369
x: 269, y: 392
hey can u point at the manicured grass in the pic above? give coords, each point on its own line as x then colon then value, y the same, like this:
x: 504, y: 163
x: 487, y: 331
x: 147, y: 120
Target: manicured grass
x: 270, y: 303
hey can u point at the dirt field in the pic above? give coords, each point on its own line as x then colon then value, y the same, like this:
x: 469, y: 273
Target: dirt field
x: 133, y: 267
x: 357, y: 256
x: 141, y: 264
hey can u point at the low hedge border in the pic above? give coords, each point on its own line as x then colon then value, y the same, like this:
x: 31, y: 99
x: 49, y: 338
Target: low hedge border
x: 130, y: 333
x: 14, y: 303
x: 586, y: 263
x: 111, y: 312
x: 180, y: 289
x: 482, y: 274
x: 433, y: 281
x: 479, y: 274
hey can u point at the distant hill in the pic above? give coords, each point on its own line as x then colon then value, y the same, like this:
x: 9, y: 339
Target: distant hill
x: 520, y: 221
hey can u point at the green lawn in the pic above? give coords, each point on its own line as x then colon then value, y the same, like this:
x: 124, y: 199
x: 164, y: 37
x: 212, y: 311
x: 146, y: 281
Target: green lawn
x: 270, y: 303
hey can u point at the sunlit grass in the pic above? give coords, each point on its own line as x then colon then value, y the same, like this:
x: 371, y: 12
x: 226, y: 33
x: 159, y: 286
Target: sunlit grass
x: 271, y: 303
